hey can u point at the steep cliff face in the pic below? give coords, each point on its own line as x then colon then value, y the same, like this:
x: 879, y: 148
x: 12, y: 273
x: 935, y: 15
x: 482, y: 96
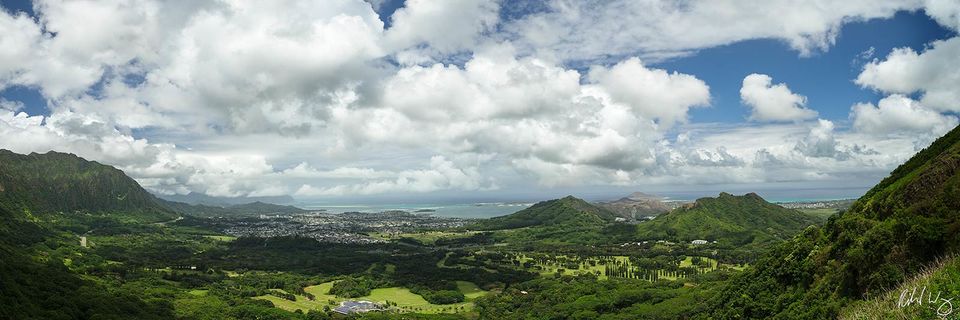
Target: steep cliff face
x: 60, y: 182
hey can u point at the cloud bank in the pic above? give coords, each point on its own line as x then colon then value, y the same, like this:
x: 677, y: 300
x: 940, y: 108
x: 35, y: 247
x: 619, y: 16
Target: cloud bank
x: 320, y: 99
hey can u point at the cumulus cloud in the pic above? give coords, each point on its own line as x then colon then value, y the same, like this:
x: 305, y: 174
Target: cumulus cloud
x: 653, y: 93
x: 442, y: 175
x: 771, y: 102
x: 946, y: 12
x: 592, y: 30
x: 193, y: 96
x: 932, y: 73
x: 8, y: 105
x: 445, y: 26
x: 820, y: 142
x: 897, y: 114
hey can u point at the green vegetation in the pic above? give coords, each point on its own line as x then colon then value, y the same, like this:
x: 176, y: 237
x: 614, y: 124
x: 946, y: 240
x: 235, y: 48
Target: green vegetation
x: 929, y: 295
x: 560, y: 259
x: 426, y: 237
x: 568, y: 212
x: 890, y: 234
x: 728, y: 219
x: 586, y: 297
x: 399, y: 298
x: 60, y: 182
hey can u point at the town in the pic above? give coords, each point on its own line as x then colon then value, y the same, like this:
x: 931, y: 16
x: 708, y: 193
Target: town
x: 348, y: 227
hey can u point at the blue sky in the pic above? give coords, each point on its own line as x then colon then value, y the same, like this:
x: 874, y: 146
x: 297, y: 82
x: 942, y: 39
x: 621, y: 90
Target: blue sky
x: 385, y: 100
x: 826, y: 78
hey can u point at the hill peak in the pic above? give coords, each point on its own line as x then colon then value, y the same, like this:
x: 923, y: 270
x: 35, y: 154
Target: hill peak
x: 728, y: 218
x: 567, y: 211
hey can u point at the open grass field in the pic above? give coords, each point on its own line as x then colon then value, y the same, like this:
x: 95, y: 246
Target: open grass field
x: 821, y: 214
x: 221, y: 238
x: 426, y: 237
x: 302, y: 302
x: 402, y: 298
x: 409, y: 301
x: 321, y: 292
x: 199, y: 293
x: 470, y: 290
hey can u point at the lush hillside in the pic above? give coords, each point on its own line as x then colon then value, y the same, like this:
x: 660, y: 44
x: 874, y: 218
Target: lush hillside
x: 61, y: 182
x: 253, y: 208
x: 931, y: 294
x: 728, y: 219
x: 35, y: 286
x: 890, y: 234
x: 567, y: 211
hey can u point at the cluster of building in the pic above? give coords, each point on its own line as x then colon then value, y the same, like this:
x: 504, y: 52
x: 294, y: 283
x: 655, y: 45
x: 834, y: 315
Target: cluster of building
x: 351, y: 307
x: 350, y: 227
x: 825, y: 204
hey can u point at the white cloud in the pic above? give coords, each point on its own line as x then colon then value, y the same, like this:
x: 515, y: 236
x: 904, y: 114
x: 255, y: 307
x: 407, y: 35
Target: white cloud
x: 446, y: 26
x: 652, y: 93
x: 946, y: 12
x: 246, y: 98
x: 897, y: 113
x: 932, y: 72
x: 442, y: 175
x: 592, y: 30
x: 820, y: 142
x: 771, y: 102
x: 12, y: 106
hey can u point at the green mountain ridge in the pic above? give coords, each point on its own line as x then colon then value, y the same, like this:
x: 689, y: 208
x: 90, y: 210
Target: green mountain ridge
x: 729, y: 219
x: 896, y: 230
x: 566, y: 211
x: 62, y: 182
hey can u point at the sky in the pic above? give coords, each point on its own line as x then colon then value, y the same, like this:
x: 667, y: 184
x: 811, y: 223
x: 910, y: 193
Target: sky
x: 432, y: 100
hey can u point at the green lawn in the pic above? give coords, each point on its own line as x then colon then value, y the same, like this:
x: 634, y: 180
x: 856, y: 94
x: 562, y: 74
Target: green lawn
x: 221, y: 238
x: 199, y: 293
x: 321, y: 292
x: 426, y: 237
x: 409, y: 301
x: 301, y: 304
x: 470, y: 290
x: 822, y: 213
x: 402, y: 297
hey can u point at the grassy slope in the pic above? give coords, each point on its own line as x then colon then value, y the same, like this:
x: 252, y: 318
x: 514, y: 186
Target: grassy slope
x: 940, y: 282
x: 889, y: 235
x: 403, y: 298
